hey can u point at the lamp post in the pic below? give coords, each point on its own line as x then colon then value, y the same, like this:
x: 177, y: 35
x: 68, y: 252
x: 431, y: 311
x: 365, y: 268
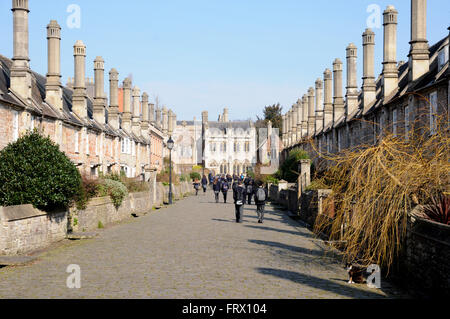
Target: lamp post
x: 170, y: 144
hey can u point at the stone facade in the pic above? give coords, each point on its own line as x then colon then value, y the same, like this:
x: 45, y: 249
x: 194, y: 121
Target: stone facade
x: 92, y: 132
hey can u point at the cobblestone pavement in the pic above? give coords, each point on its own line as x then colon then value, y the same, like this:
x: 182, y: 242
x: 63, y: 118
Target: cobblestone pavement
x: 194, y: 250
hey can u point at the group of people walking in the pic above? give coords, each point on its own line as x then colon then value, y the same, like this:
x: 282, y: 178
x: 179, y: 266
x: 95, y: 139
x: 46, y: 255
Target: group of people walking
x: 244, y: 190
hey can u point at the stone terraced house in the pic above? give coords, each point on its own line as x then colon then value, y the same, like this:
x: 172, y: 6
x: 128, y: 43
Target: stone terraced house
x: 406, y: 96
x: 92, y: 133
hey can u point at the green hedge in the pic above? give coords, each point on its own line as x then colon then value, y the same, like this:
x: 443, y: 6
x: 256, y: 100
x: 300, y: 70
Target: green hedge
x: 34, y: 171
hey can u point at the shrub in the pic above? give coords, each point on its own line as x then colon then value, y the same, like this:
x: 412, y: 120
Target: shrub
x: 34, y: 171
x: 89, y: 189
x: 116, y: 191
x: 439, y: 209
x: 289, y: 169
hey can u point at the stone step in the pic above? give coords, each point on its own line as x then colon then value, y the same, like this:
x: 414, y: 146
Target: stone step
x: 78, y: 236
x: 16, y: 260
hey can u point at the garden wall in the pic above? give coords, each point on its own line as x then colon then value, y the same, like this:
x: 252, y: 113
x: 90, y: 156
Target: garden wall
x: 24, y: 229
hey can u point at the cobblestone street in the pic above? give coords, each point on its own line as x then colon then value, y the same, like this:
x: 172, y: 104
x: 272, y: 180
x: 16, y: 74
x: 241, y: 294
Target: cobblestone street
x: 193, y: 249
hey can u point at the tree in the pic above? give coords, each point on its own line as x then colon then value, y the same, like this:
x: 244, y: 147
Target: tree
x: 272, y: 113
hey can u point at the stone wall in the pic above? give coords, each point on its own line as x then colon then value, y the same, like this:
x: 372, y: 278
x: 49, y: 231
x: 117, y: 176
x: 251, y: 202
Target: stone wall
x: 425, y: 265
x: 24, y: 229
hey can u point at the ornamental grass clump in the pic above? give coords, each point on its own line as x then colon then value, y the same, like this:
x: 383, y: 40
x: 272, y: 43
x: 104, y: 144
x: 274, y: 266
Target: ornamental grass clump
x: 375, y: 186
x: 34, y: 171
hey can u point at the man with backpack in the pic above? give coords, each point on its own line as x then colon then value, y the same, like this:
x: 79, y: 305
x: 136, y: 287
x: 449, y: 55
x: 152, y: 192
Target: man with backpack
x: 239, y: 201
x: 224, y: 188
x: 260, y: 201
x: 249, y: 190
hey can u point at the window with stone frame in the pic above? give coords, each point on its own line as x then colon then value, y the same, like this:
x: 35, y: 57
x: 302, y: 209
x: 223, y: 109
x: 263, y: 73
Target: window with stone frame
x: 32, y: 122
x: 394, y: 122
x: 407, y: 121
x: 433, y: 112
x: 442, y: 57
x: 247, y: 147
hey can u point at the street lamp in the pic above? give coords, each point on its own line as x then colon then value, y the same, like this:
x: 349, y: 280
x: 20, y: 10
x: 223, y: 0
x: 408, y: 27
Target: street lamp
x: 170, y: 144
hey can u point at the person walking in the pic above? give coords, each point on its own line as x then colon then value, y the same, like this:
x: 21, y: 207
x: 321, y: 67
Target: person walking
x: 196, y: 186
x: 204, y: 183
x: 216, y: 188
x: 239, y: 201
x: 249, y: 189
x: 225, y: 187
x: 260, y: 201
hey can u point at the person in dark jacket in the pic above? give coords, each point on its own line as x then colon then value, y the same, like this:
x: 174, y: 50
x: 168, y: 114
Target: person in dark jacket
x: 239, y: 200
x: 204, y: 183
x: 260, y: 201
x: 216, y: 188
x: 196, y: 186
x: 225, y: 186
x: 250, y: 190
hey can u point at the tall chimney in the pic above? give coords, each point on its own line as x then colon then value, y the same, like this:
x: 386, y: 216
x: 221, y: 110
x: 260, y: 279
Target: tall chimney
x: 327, y: 98
x: 390, y: 71
x: 145, y: 116
x: 311, y: 112
x: 288, y: 128
x: 299, y: 119
x: 126, y: 116
x: 352, y: 84
x: 99, y: 93
x: 164, y: 120
x: 419, y: 55
x: 136, y: 125
x: 20, y: 79
x: 79, y: 98
x: 319, y: 105
x: 284, y: 129
x: 305, y: 115
x: 113, y: 112
x: 369, y: 87
x: 53, y: 86
x: 294, y: 123
x: 152, y: 114
x: 225, y: 115
x: 338, y: 101
x: 170, y: 123
x: 158, y: 118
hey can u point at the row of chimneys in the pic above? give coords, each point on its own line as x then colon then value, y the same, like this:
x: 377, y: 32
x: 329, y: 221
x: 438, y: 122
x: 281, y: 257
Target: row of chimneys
x: 21, y: 82
x: 304, y: 120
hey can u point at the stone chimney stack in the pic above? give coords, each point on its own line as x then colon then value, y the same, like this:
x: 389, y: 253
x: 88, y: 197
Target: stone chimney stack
x: 390, y: 71
x: 294, y: 123
x: 113, y: 112
x: 225, y: 115
x: 136, y: 120
x: 352, y: 84
x: 369, y: 87
x: 79, y: 97
x: 165, y: 119
x: 284, y: 129
x: 152, y: 114
x: 170, y: 123
x: 205, y: 117
x: 158, y: 118
x: 419, y: 55
x: 53, y: 86
x: 20, y: 69
x: 338, y: 100
x: 99, y: 93
x: 299, y: 119
x: 289, y: 127
x: 126, y: 116
x: 311, y: 112
x: 305, y: 115
x: 327, y: 98
x: 319, y: 105
x: 145, y: 116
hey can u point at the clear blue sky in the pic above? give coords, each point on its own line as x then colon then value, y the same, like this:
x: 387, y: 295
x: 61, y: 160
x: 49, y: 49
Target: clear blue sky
x: 206, y: 55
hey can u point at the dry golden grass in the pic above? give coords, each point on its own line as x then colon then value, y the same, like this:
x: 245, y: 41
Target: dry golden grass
x: 375, y: 186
